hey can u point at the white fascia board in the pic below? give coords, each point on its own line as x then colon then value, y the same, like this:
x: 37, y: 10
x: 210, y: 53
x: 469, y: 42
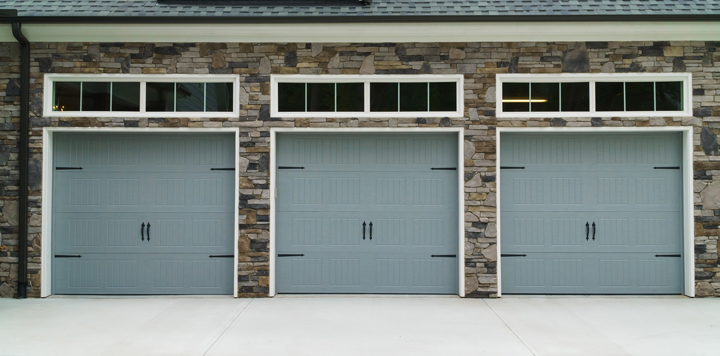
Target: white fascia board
x: 531, y: 31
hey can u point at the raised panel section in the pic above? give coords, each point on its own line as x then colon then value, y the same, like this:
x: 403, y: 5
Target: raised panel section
x: 307, y: 191
x: 307, y: 151
x: 527, y: 190
x: 567, y: 272
x: 565, y: 151
x: 123, y: 152
x: 207, y: 192
x: 652, y: 231
x: 650, y: 191
x: 83, y: 273
x: 344, y: 190
x: 86, y: 152
x: 123, y: 233
x: 528, y: 151
x: 344, y: 271
x: 390, y: 272
x: 308, y: 231
x: 428, y: 272
x: 528, y: 232
x: 566, y: 190
x: 389, y: 232
x: 306, y: 271
x: 613, y: 151
x: 122, y: 273
x: 614, y: 272
x: 391, y: 151
x: 654, y: 273
x: 208, y: 274
x: 208, y: 152
x: 345, y: 232
x: 207, y: 232
x: 429, y: 151
x: 529, y: 272
x: 168, y: 273
x: 168, y: 232
x: 612, y: 191
x: 170, y: 192
x: 390, y: 191
x: 84, y: 192
x: 170, y: 152
x: 342, y: 151
x: 613, y: 232
x: 123, y: 191
x: 83, y: 233
x: 568, y: 232
x: 429, y: 232
x: 652, y: 151
x: 428, y: 191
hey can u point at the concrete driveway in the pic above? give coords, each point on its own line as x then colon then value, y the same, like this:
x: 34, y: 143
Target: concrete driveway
x: 360, y: 325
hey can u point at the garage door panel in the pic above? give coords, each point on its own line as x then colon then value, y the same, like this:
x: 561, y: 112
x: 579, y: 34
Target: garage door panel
x: 627, y: 189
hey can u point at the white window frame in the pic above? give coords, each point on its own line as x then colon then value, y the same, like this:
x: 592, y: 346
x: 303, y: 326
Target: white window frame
x: 366, y: 80
x: 686, y: 78
x: 50, y: 80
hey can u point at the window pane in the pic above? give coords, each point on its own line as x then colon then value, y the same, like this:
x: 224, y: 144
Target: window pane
x: 190, y: 97
x: 413, y: 96
x: 321, y: 97
x: 350, y: 97
x: 291, y: 97
x: 160, y: 97
x: 96, y: 96
x: 669, y: 96
x: 545, y: 97
x: 443, y: 96
x: 125, y: 96
x: 575, y: 96
x: 219, y: 97
x: 67, y: 96
x: 609, y: 96
x: 516, y: 97
x: 639, y: 96
x: 383, y: 96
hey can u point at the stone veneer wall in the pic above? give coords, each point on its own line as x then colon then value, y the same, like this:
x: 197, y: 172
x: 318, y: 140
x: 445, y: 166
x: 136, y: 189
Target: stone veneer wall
x: 479, y: 62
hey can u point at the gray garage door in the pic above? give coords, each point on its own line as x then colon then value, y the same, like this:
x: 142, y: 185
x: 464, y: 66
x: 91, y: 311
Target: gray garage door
x: 143, y: 214
x: 591, y: 214
x: 367, y: 213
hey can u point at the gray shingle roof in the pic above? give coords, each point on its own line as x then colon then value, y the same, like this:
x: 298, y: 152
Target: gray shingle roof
x: 152, y: 8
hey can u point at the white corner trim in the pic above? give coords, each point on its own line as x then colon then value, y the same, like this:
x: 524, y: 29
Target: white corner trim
x: 687, y: 189
x: 461, y: 186
x: 686, y: 78
x: 366, y: 79
x: 50, y: 79
x: 531, y: 31
x: 47, y: 189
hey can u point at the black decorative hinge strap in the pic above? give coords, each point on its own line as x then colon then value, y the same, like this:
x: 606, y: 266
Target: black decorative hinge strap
x: 674, y: 167
x: 288, y: 167
x: 511, y: 167
x: 672, y: 255
x: 512, y: 255
x: 291, y: 254
x: 68, y: 168
x: 221, y: 256
x: 451, y: 256
x: 68, y: 256
x: 222, y: 169
x: 443, y: 169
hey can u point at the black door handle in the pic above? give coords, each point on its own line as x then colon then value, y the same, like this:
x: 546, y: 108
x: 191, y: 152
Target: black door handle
x: 587, y: 231
x: 363, y: 230
x: 142, y: 232
x: 148, y: 230
x: 593, y: 230
x: 371, y: 230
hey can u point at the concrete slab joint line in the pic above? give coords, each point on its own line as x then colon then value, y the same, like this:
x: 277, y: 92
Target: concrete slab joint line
x: 225, y: 330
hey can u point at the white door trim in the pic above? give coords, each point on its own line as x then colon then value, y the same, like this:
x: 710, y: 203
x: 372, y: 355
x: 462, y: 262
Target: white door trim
x: 47, y: 179
x: 461, y: 185
x: 687, y: 197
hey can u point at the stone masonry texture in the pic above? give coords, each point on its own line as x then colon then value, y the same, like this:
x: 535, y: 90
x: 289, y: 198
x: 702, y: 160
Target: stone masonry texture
x: 255, y: 62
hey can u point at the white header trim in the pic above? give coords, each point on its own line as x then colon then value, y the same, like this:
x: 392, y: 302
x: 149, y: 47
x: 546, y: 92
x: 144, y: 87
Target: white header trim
x: 366, y: 80
x: 531, y: 31
x: 686, y: 78
x: 50, y: 79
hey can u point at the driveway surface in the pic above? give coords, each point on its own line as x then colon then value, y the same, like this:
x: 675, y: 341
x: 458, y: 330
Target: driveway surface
x: 360, y: 325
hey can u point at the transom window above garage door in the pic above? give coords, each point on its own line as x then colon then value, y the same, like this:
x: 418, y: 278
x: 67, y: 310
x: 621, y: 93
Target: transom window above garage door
x: 584, y: 95
x: 110, y: 95
x: 367, y: 95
